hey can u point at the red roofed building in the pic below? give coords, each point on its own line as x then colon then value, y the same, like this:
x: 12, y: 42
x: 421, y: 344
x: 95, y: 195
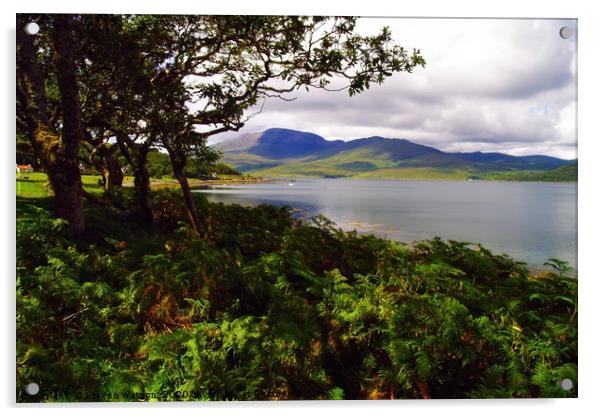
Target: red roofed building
x: 24, y: 168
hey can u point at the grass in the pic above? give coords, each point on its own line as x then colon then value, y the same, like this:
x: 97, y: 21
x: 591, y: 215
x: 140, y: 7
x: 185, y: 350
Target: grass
x: 317, y: 170
x: 167, y: 182
x: 34, y: 184
x: 416, y: 173
x: 247, y: 161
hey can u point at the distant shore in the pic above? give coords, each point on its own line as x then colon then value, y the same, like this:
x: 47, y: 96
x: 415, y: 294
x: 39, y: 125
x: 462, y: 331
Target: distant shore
x: 443, y: 178
x: 566, y: 173
x: 200, y: 183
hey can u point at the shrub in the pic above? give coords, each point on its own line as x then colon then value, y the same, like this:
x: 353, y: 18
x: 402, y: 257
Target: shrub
x: 265, y: 306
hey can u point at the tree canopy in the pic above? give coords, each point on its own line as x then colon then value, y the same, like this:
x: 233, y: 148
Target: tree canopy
x: 122, y: 85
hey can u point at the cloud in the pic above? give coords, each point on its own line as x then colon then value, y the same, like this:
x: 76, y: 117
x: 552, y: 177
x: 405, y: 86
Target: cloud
x: 489, y: 84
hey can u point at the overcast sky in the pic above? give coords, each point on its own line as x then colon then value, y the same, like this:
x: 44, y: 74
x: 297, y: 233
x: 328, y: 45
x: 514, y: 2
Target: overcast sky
x: 489, y: 85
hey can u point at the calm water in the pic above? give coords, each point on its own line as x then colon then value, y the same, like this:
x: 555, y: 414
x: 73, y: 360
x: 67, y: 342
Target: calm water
x: 527, y: 220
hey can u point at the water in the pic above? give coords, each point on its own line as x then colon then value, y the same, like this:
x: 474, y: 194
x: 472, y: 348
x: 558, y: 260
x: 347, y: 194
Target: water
x: 530, y: 221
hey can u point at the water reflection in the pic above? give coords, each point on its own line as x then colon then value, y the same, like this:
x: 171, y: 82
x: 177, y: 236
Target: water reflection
x: 529, y: 221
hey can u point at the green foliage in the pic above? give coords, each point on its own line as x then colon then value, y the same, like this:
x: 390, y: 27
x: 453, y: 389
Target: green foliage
x: 24, y: 152
x: 336, y: 393
x: 266, y: 307
x: 261, y: 305
x: 225, y: 169
x: 159, y: 166
x: 567, y: 173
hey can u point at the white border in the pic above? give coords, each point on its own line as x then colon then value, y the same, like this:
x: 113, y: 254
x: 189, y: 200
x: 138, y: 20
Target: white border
x: 590, y: 154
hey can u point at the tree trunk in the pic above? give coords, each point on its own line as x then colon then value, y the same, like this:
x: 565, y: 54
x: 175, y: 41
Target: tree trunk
x: 31, y: 97
x: 114, y: 174
x: 64, y: 173
x: 193, y: 214
x: 68, y: 196
x: 137, y: 157
x: 142, y: 184
x: 105, y: 176
x: 178, y: 163
x: 57, y: 152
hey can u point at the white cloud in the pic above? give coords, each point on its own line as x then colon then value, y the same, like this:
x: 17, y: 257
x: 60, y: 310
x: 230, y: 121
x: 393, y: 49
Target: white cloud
x: 489, y: 85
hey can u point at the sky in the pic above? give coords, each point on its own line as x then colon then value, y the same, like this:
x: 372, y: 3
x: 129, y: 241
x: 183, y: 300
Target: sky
x: 503, y: 85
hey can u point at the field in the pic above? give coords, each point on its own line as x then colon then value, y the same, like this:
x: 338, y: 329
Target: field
x: 34, y: 184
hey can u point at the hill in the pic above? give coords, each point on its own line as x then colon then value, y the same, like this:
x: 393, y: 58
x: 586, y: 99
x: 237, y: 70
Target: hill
x: 281, y: 152
x: 566, y: 173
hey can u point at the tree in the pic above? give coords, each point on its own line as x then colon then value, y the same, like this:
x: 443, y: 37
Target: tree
x: 103, y: 156
x: 213, y: 69
x: 137, y: 83
x: 119, y: 67
x: 159, y: 164
x: 53, y: 123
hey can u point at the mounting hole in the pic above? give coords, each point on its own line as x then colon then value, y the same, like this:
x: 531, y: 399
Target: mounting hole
x: 566, y: 32
x: 566, y: 384
x: 32, y: 28
x: 32, y: 389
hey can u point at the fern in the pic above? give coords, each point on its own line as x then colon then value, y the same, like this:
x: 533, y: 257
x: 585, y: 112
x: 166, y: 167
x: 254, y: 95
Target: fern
x: 268, y: 307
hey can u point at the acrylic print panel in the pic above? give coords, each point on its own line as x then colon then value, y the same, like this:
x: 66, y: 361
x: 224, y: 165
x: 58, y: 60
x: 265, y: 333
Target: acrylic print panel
x: 295, y: 208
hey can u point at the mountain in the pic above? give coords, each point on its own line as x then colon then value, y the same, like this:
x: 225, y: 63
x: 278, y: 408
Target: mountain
x: 279, y: 152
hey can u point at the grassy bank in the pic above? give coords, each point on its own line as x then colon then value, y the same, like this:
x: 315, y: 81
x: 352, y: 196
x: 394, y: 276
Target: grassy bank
x: 265, y: 307
x: 34, y: 184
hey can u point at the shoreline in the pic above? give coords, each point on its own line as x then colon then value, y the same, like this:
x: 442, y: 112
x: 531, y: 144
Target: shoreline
x: 355, y: 178
x: 201, y: 183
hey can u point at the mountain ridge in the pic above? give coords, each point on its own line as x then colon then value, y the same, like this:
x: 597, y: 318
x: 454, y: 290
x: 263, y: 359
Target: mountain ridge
x: 287, y: 152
